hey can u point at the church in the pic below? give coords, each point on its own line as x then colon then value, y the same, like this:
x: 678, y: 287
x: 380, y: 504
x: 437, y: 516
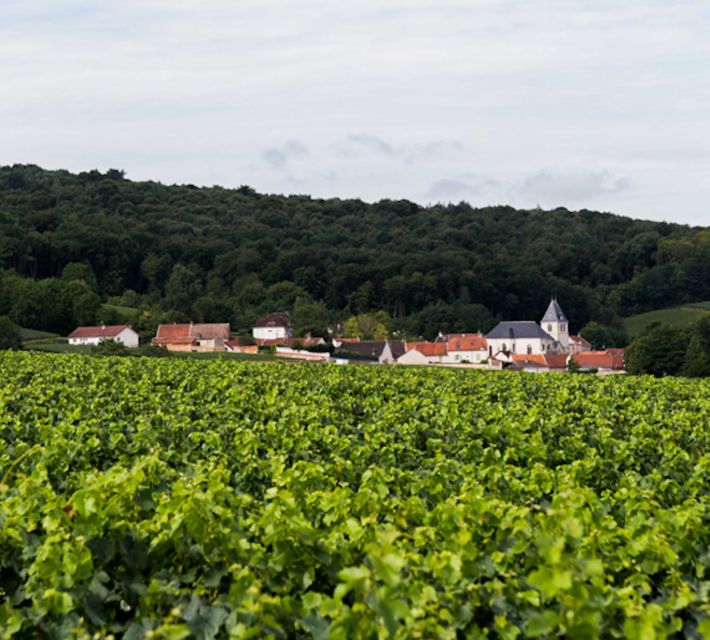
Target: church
x: 549, y: 336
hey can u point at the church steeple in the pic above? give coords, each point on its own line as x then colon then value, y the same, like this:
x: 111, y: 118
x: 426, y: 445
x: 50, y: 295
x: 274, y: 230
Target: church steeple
x: 555, y: 323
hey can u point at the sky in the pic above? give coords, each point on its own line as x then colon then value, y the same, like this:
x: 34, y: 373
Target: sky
x: 594, y: 104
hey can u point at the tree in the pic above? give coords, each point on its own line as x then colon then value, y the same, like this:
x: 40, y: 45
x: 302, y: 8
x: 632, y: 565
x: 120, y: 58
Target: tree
x: 602, y: 336
x: 182, y: 289
x: 9, y: 334
x: 368, y: 326
x: 661, y: 352
x: 309, y: 317
x: 82, y: 272
x: 697, y: 357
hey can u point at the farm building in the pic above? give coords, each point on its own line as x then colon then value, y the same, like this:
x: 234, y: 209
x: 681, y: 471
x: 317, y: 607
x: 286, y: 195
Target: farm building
x: 122, y: 333
x: 192, y: 336
x: 604, y: 362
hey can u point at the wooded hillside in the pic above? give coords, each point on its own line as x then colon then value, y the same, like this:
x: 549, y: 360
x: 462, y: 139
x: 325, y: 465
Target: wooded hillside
x: 216, y: 254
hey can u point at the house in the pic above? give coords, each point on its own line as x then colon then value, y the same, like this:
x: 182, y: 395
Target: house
x: 578, y: 343
x: 465, y: 347
x: 604, y: 362
x: 192, y: 336
x: 239, y: 345
x: 122, y: 333
x: 541, y: 363
x: 272, y: 328
x: 423, y: 353
x: 379, y: 351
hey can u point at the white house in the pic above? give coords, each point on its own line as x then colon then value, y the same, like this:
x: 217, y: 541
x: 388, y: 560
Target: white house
x: 273, y: 327
x: 465, y: 347
x: 122, y: 333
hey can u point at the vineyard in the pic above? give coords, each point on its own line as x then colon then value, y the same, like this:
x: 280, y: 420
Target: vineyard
x: 175, y: 499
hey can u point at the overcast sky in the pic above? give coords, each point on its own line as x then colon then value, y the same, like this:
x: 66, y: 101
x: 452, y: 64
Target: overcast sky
x: 597, y: 104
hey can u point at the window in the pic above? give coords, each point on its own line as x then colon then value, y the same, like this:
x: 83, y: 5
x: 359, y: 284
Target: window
x: 549, y: 327
x: 529, y: 349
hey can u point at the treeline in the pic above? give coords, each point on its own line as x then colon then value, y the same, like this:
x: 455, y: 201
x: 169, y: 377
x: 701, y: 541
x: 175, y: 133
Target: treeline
x: 215, y: 254
x: 666, y: 350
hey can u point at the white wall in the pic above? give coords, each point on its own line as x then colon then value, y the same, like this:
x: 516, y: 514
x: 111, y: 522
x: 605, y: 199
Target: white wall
x: 269, y: 333
x: 466, y: 356
x: 537, y: 346
x: 413, y: 357
x: 128, y: 337
x: 85, y: 341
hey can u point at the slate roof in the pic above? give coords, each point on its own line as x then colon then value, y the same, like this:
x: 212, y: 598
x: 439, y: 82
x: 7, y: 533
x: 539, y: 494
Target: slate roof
x: 277, y: 319
x: 554, y: 313
x: 517, y: 330
x: 371, y: 349
x: 398, y: 348
x: 104, y: 331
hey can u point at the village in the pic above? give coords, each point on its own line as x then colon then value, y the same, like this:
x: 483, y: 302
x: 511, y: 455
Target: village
x: 537, y: 347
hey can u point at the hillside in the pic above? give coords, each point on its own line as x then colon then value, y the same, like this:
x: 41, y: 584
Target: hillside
x: 675, y: 316
x: 218, y: 254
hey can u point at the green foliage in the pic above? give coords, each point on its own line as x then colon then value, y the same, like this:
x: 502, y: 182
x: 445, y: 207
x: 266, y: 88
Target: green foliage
x: 110, y: 348
x: 672, y: 350
x: 10, y: 337
x: 177, y: 498
x: 82, y: 272
x: 368, y: 326
x: 602, y: 336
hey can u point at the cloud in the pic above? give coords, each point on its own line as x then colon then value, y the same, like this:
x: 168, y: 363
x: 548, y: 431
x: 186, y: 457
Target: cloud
x: 608, y: 96
x: 572, y: 187
x: 357, y: 144
x: 279, y: 157
x: 457, y: 189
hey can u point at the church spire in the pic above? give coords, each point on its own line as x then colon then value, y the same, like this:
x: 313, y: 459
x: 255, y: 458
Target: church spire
x: 554, y: 313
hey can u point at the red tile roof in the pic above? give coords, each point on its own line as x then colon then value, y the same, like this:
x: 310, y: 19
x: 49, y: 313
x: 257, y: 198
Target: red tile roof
x: 187, y: 332
x: 104, y: 331
x: 170, y: 332
x: 428, y: 349
x: 466, y: 342
x: 609, y: 359
x: 581, y: 341
x: 548, y: 360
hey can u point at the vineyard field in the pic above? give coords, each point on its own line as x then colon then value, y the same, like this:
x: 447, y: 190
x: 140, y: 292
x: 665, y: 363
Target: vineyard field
x: 170, y: 498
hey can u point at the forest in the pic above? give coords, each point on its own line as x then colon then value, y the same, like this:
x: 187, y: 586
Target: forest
x: 70, y: 242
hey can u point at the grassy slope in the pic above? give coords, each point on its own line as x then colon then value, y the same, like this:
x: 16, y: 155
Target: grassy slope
x: 127, y: 314
x: 681, y: 315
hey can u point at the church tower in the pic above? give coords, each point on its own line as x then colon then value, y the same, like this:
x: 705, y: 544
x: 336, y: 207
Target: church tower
x: 555, y: 323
